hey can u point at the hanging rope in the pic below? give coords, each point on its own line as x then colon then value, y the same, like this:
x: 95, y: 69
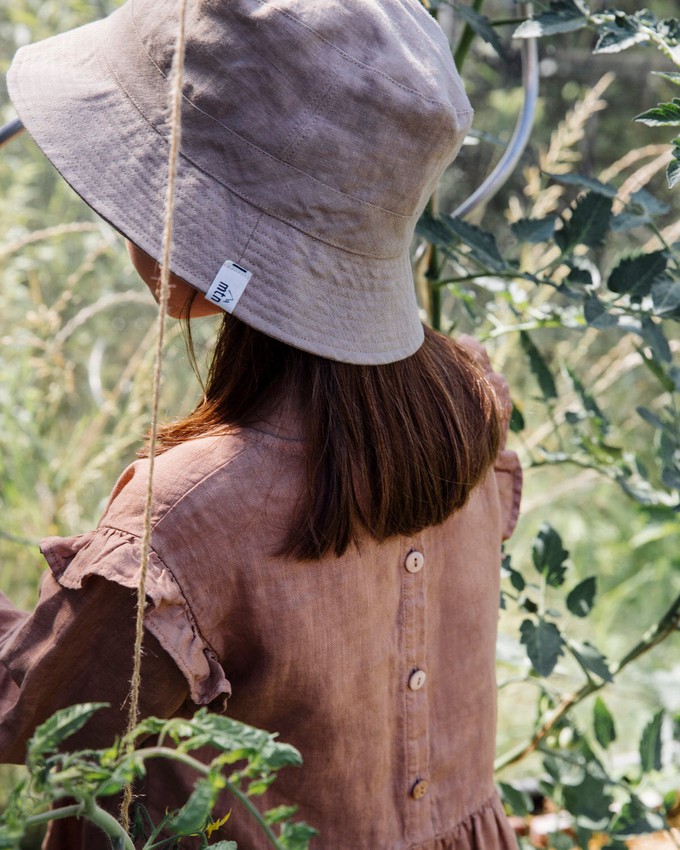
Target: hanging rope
x: 173, y: 156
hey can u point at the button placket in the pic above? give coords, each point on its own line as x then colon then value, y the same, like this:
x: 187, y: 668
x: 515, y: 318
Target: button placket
x: 415, y: 697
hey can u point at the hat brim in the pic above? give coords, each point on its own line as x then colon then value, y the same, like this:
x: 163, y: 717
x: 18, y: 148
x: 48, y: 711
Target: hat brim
x: 303, y: 291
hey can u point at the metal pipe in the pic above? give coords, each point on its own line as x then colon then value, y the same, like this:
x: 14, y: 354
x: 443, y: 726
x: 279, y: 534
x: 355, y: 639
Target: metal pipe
x: 9, y: 130
x: 521, y: 134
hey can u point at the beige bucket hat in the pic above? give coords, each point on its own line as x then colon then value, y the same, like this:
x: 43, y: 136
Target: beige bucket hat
x: 313, y: 133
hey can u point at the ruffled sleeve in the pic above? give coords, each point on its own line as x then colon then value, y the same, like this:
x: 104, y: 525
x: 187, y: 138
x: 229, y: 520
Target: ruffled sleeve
x: 507, y: 467
x: 115, y: 555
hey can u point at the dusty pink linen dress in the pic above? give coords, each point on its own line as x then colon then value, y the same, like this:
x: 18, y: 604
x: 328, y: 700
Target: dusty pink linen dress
x: 378, y: 666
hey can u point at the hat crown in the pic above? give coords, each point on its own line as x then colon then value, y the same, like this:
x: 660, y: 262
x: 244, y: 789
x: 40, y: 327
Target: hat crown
x: 362, y: 95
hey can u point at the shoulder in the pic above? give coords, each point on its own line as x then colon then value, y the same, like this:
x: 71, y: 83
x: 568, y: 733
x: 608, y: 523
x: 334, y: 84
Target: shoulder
x: 201, y: 475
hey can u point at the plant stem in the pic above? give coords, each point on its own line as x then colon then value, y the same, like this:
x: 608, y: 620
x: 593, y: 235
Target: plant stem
x: 90, y: 810
x: 107, y: 823
x: 166, y: 752
x: 55, y: 814
x: 654, y: 636
x: 256, y: 814
x: 466, y: 38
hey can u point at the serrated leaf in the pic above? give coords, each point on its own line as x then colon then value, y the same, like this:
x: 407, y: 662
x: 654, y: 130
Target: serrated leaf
x: 481, y: 26
x: 562, y: 16
x: 588, y: 224
x: 663, y: 115
x: 673, y: 172
x: 549, y: 555
x: 635, y: 275
x: 482, y: 244
x: 61, y: 725
x: 519, y: 802
x: 534, y: 230
x: 603, y: 724
x: 581, y: 599
x: 543, y: 643
x: 592, y: 659
x: 616, y: 40
x: 584, y: 182
x: 538, y: 366
x: 650, y: 744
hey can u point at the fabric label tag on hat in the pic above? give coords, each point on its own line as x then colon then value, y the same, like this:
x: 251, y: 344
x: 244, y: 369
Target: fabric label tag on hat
x: 228, y: 286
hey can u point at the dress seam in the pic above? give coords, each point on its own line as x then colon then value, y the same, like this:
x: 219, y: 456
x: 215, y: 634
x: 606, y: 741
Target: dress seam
x: 426, y: 845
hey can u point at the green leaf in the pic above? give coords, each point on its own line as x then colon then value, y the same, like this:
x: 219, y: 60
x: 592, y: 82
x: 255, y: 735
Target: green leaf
x: 673, y: 170
x: 481, y: 26
x: 519, y: 802
x: 665, y: 296
x: 653, y: 334
x: 635, y: 275
x: 517, y: 423
x: 588, y: 224
x: 673, y: 76
x: 584, y: 182
x: 280, y: 813
x: 482, y: 244
x: 603, y: 724
x: 50, y: 734
x: 581, y: 599
x: 588, y: 802
x: 652, y: 418
x: 296, y: 836
x: 648, y: 203
x: 636, y: 819
x: 650, y: 744
x: 534, y: 230
x: 543, y: 643
x: 194, y: 814
x: 224, y: 845
x: 538, y: 366
x: 615, y: 39
x: 663, y: 115
x: 595, y: 313
x: 591, y: 658
x: 562, y: 16
x: 549, y: 555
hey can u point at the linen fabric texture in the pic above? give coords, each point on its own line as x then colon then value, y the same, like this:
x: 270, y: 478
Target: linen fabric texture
x: 320, y: 652
x: 313, y: 134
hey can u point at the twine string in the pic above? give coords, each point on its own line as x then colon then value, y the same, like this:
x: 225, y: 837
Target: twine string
x: 163, y: 297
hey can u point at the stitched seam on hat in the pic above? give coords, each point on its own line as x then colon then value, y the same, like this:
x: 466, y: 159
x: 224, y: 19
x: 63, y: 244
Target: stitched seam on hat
x: 304, y: 120
x: 358, y: 62
x: 256, y: 204
x: 246, y: 141
x: 387, y: 288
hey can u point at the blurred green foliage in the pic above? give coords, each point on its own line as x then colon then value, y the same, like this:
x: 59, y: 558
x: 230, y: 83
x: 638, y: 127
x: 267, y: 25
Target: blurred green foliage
x: 570, y: 277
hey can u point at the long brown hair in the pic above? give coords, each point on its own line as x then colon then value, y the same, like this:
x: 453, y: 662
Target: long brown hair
x: 390, y: 449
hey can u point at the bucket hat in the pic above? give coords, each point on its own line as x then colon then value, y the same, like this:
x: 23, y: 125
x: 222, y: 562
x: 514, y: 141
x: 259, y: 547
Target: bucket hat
x: 313, y: 133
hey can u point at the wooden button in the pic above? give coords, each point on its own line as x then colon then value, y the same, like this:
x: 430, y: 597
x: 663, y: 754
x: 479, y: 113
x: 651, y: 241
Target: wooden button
x: 414, y: 561
x: 417, y: 680
x: 419, y: 790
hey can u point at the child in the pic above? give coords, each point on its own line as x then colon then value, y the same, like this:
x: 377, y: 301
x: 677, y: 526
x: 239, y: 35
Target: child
x: 326, y: 524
